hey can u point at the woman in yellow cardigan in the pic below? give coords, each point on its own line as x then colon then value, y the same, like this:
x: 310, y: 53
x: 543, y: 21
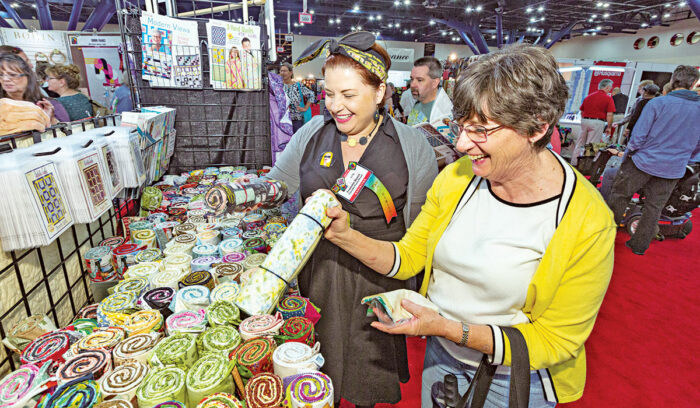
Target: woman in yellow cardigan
x: 509, y: 236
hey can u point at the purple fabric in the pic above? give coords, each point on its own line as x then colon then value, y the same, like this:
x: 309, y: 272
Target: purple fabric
x: 280, y: 132
x: 59, y: 111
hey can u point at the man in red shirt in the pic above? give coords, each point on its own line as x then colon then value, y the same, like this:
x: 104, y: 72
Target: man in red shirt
x: 597, y: 109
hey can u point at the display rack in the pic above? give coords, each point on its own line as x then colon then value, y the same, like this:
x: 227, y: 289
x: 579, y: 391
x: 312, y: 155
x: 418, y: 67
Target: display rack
x: 51, y: 280
x: 215, y: 127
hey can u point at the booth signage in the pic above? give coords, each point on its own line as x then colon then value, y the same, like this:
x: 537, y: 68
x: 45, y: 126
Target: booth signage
x: 306, y: 18
x: 93, y: 40
x: 280, y: 49
x: 399, y: 55
x: 289, y: 38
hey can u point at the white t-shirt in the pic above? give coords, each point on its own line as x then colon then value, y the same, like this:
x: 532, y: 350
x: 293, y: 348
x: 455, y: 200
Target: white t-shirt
x: 485, y: 260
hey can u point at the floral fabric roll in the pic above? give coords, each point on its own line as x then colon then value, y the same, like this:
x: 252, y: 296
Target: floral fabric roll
x: 95, y: 362
x: 161, y: 385
x: 264, y: 390
x: 221, y: 400
x: 74, y: 394
x: 210, y: 374
x: 297, y: 329
x: 187, y: 321
x: 223, y: 312
x: 139, y: 285
x: 178, y: 350
x: 203, y: 278
x: 144, y: 321
x: 218, y: 339
x: 114, y: 309
x: 21, y: 385
x: 261, y: 294
x: 297, y: 306
x: 105, y: 338
x: 308, y: 390
x: 124, y: 380
x: 48, y: 348
x: 225, y: 291
x: 261, y: 325
x: 138, y: 347
x: 254, y: 356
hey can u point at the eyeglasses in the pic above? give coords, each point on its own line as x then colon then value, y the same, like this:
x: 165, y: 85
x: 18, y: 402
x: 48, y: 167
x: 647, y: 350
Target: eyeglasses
x: 11, y: 76
x: 50, y: 77
x: 476, y: 133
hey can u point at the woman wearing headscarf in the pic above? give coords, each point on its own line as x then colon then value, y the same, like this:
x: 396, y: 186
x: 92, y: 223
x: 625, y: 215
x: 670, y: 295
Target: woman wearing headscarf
x: 366, y: 366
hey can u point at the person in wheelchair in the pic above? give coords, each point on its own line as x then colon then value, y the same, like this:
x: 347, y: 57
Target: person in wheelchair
x: 510, y: 235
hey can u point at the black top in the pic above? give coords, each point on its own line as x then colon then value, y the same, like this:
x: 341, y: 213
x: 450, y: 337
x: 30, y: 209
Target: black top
x: 383, y: 156
x: 620, y: 102
x: 636, y: 113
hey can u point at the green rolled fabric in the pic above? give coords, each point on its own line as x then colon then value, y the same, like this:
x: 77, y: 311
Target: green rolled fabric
x: 221, y: 400
x: 178, y: 350
x: 223, y: 312
x: 209, y: 375
x: 218, y: 339
x: 151, y: 198
x: 161, y: 385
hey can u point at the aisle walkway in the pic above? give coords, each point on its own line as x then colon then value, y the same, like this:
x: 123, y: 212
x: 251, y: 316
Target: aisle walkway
x: 644, y: 349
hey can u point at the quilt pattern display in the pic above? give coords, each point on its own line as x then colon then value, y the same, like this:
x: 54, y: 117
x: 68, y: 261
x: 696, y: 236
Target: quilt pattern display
x: 47, y: 195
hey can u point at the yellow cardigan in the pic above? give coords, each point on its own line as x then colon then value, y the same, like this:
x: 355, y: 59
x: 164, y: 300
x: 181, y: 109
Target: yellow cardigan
x: 566, y: 290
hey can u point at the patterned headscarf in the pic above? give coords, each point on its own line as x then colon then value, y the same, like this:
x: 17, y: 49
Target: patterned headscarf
x: 357, y: 46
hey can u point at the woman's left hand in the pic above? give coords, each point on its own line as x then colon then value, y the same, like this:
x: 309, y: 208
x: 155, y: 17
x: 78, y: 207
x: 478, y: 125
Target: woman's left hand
x: 46, y: 106
x: 301, y: 109
x: 425, y: 322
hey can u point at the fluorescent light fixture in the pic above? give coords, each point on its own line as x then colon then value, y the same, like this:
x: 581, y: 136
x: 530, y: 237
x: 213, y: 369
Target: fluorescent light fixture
x: 594, y: 16
x: 493, y: 36
x: 356, y: 8
x: 359, y: 28
x: 479, y: 7
x: 654, y: 15
x: 645, y: 24
x: 407, y: 2
x: 528, y: 10
x: 432, y: 22
x: 570, y: 69
x: 469, y: 9
x: 379, y: 17
x: 605, y: 68
x: 667, y: 15
x: 540, y: 9
x: 413, y: 31
x: 312, y: 12
x: 606, y: 15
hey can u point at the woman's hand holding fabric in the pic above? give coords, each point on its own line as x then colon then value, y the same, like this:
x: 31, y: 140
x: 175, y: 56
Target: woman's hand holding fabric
x: 47, y: 107
x: 340, y: 226
x: 425, y: 322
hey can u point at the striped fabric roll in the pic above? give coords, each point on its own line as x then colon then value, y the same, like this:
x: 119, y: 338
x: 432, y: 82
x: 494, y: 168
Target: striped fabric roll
x: 139, y: 285
x: 48, y: 348
x: 223, y: 312
x: 254, y: 356
x: 255, y: 245
x: 112, y: 242
x: 88, y: 362
x: 297, y: 306
x: 85, y: 326
x: 21, y: 385
x: 254, y: 260
x: 225, y: 291
x: 188, y: 321
x: 115, y: 403
x: 149, y: 255
x: 297, y: 329
x: 88, y: 312
x: 186, y: 228
x: 179, y: 349
x: 179, y: 261
x: 105, y: 338
x: 144, y: 321
x: 264, y: 390
x: 230, y: 232
x: 218, y: 339
x: 145, y: 238
x: 192, y: 298
x: 162, y: 385
x: 209, y: 237
x: 231, y: 245
x: 168, y: 278
x: 203, y: 278
x: 308, y: 390
x: 124, y: 256
x: 171, y: 404
x: 204, y: 263
x: 144, y: 269
x: 260, y: 325
x: 221, y: 400
x: 210, y: 374
x: 173, y: 248
x: 159, y: 299
x: 114, y: 309
x: 124, y: 380
x: 75, y: 394
x: 205, y: 250
x: 233, y: 257
x: 228, y: 272
x: 138, y: 347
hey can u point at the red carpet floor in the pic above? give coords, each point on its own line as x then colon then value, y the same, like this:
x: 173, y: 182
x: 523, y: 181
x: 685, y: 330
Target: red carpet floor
x: 645, y: 347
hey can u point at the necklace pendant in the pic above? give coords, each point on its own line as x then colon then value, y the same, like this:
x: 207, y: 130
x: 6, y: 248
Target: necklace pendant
x: 363, y: 140
x: 352, y: 142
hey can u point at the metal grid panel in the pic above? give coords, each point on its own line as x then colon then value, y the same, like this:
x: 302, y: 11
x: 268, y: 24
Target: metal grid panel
x: 50, y: 280
x: 214, y: 127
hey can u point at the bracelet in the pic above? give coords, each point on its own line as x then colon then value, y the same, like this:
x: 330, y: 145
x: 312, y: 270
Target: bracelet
x: 465, y: 335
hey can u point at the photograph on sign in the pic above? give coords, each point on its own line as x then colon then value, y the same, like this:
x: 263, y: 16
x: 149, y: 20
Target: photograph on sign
x: 234, y: 55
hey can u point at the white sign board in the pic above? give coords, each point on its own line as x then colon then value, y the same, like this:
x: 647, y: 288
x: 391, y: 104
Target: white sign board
x: 401, y: 58
x: 94, y: 40
x: 44, y: 45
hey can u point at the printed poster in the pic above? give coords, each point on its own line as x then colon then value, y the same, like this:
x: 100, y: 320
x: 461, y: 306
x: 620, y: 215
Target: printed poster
x: 102, y: 68
x: 45, y: 186
x: 170, y: 52
x: 234, y: 55
x: 39, y: 45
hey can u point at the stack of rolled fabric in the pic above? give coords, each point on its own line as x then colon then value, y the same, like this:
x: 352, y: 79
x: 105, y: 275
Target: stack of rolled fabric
x: 93, y: 362
x: 162, y: 385
x: 264, y: 390
x: 218, y: 339
x: 179, y: 349
x: 210, y: 374
x: 260, y: 326
x: 254, y: 356
x: 308, y: 390
x: 124, y: 380
x: 80, y: 393
x: 138, y: 347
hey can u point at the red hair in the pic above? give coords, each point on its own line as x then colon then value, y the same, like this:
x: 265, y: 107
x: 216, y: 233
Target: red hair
x: 368, y: 78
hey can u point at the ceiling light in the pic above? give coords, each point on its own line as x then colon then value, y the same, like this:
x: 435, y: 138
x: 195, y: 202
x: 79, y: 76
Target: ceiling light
x: 549, y: 40
x: 590, y: 20
x: 599, y: 4
x: 391, y: 25
x: 432, y: 22
x: 14, y: 5
x: 443, y: 33
x: 594, y: 16
x: 330, y: 21
x: 505, y: 38
x: 379, y: 17
x: 352, y: 28
x: 359, y: 28
x: 493, y: 36
x: 398, y: 25
x: 683, y: 3
x: 469, y: 9
x: 312, y: 12
x: 371, y: 18
x: 405, y: 31
x: 540, y: 9
x: 337, y: 20
x: 667, y: 15
x: 413, y: 31
x: 667, y: 5
x: 479, y: 8
x: 407, y: 2
x: 654, y: 15
x: 356, y: 8
x: 593, y: 33
x: 532, y: 19
x: 606, y: 15
x: 644, y: 24
x: 585, y: 34
x: 397, y: 3
x: 606, y: 5
x: 528, y: 10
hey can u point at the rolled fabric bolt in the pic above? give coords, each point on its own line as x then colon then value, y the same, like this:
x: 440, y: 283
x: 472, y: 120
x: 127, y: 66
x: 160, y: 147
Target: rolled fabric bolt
x: 254, y: 260
x: 174, y: 248
x: 231, y: 222
x: 137, y: 347
x: 260, y: 325
x: 208, y: 375
x: 105, y: 338
x: 168, y: 278
x: 248, y: 274
x: 98, y: 263
x: 144, y: 321
x: 224, y: 291
x: 231, y: 245
x: 293, y: 358
x: 308, y: 390
x: 144, y: 269
x: 252, y: 234
x: 85, y: 326
x: 149, y: 255
x: 234, y: 257
x: 140, y: 225
x: 278, y: 219
x: 139, y: 285
x: 21, y: 385
x: 144, y: 238
x: 187, y: 321
x: 88, y: 312
x: 179, y: 261
x: 297, y: 329
x: 159, y: 299
x: 179, y: 349
x: 75, y: 394
x: 264, y: 390
x: 205, y: 250
x: 151, y: 198
x: 196, y: 213
x: 197, y: 219
x: 254, y: 222
x: 186, y: 240
x: 47, y: 349
x: 124, y: 256
x: 203, y: 278
x: 254, y: 356
x: 221, y: 400
x: 157, y: 218
x: 292, y: 306
x: 228, y: 272
x: 170, y: 404
x: 192, y: 298
x: 263, y: 291
x: 115, y: 308
x: 26, y: 330
x: 112, y: 242
x: 273, y: 229
x: 115, y: 403
x: 124, y: 380
x: 210, y: 237
x: 208, y: 226
x: 94, y: 362
x: 223, y: 312
x: 204, y: 263
x: 255, y: 245
x: 164, y: 232
x: 186, y: 228
x: 161, y: 385
x: 218, y: 339
x: 230, y: 232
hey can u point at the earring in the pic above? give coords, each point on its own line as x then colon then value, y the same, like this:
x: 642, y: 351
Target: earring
x: 376, y: 115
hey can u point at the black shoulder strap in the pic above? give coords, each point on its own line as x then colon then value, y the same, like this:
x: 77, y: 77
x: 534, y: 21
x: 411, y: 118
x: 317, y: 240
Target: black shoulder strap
x: 519, y: 396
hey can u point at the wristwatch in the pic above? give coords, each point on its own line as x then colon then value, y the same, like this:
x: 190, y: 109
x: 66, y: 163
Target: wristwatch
x: 465, y: 335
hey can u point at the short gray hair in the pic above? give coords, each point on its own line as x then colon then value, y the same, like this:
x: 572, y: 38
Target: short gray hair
x: 289, y: 66
x: 684, y: 76
x: 605, y: 83
x: 433, y: 64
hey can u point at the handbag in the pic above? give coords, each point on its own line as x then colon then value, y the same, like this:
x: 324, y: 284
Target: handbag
x: 307, y: 113
x: 519, y: 395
